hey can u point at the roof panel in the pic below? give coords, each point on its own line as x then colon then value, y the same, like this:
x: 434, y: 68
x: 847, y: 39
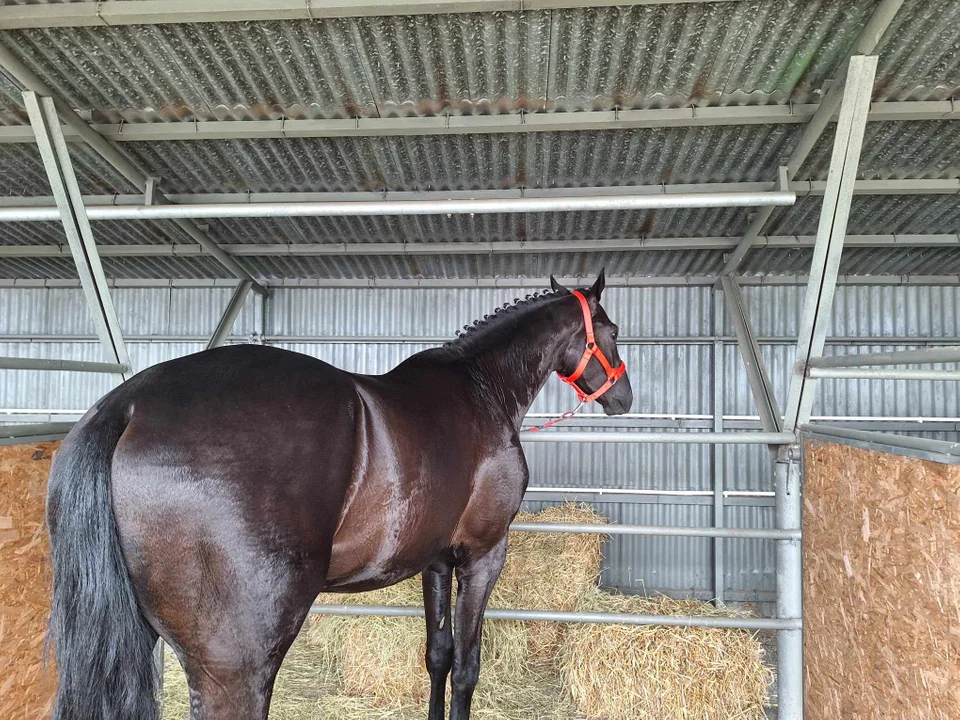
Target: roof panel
x: 706, y: 54
x: 920, y: 53
x: 628, y: 57
x: 469, y: 162
x: 858, y: 261
x: 23, y: 173
x: 875, y: 215
x: 927, y: 149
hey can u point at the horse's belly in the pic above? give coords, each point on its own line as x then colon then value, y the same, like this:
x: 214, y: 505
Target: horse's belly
x: 389, y: 532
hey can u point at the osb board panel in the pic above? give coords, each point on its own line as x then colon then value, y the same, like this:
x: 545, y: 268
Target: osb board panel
x: 26, y: 688
x: 881, y: 574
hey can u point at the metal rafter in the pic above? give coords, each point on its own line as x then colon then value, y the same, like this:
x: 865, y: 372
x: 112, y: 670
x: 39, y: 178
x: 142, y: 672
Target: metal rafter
x: 31, y: 82
x: 866, y: 43
x: 497, y: 282
x: 486, y: 124
x: 498, y: 247
x: 76, y: 226
x: 818, y: 301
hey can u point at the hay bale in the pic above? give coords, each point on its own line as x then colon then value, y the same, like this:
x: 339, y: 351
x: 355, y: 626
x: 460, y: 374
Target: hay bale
x: 550, y: 571
x: 382, y: 659
x: 642, y: 672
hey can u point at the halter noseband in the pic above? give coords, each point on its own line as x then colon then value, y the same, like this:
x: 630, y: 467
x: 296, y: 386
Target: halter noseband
x: 590, y: 351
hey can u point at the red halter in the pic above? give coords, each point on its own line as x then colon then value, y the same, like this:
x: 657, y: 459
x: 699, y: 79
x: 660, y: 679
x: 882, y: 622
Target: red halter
x: 590, y: 351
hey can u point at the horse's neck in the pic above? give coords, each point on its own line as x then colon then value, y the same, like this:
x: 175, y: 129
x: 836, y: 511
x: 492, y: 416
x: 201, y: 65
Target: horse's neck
x: 513, y: 372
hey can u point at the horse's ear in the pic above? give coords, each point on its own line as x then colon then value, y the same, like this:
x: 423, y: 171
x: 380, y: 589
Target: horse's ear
x: 555, y: 286
x: 600, y: 284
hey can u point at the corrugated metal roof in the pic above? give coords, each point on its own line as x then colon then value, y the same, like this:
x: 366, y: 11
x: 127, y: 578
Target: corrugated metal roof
x: 473, y: 62
x: 858, y: 261
x: 577, y: 59
x: 918, y: 53
x: 874, y: 215
x: 122, y: 232
x: 929, y: 149
x: 23, y: 174
x: 470, y: 162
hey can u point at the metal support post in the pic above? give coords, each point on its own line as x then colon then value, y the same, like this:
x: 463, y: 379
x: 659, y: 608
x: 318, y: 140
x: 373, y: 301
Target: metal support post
x: 718, y: 484
x: 789, y: 586
x: 158, y: 665
x: 834, y: 214
x: 76, y: 226
x: 230, y: 314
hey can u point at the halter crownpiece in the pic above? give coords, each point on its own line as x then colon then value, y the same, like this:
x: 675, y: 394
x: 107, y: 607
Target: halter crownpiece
x: 590, y: 351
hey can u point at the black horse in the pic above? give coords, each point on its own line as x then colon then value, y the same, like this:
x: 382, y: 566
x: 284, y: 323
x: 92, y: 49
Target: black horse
x: 209, y: 499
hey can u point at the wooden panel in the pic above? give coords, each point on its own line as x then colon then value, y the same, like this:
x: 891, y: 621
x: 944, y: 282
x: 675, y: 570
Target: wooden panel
x: 26, y: 688
x: 882, y: 585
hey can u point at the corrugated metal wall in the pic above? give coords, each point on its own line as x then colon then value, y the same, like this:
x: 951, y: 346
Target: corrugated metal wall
x: 668, y: 344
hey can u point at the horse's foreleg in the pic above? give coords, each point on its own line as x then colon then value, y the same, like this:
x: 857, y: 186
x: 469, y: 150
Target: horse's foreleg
x: 437, y: 579
x: 475, y: 581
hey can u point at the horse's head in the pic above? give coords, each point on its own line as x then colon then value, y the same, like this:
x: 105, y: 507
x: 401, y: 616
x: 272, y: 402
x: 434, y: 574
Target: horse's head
x: 600, y: 367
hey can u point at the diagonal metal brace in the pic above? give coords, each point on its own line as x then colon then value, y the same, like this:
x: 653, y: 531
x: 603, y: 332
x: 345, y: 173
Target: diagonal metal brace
x: 76, y: 225
x: 230, y: 314
x: 760, y: 386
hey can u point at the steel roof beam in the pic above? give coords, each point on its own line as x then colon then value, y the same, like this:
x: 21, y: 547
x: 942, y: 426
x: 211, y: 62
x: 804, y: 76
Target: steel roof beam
x: 905, y: 186
x: 485, y: 124
x: 157, y: 12
x: 479, y: 248
x: 818, y: 299
x: 512, y: 283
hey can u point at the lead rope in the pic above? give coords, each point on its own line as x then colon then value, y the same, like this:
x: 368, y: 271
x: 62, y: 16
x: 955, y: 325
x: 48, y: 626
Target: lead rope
x: 566, y: 416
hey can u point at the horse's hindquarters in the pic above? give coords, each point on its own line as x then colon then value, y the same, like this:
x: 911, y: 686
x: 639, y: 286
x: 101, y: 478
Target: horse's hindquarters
x: 226, y: 513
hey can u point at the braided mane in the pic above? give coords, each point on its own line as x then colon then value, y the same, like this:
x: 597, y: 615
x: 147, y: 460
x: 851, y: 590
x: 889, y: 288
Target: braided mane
x: 482, y: 326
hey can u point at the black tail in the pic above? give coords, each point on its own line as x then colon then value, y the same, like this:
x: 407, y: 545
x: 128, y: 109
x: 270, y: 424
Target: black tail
x: 103, y: 645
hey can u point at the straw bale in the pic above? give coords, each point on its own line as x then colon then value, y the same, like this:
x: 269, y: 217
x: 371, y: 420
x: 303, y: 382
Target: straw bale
x: 615, y: 672
x: 881, y: 585
x: 550, y: 571
x: 26, y: 686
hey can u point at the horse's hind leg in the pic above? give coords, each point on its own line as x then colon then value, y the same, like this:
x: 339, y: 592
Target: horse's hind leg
x: 231, y: 670
x: 228, y: 603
